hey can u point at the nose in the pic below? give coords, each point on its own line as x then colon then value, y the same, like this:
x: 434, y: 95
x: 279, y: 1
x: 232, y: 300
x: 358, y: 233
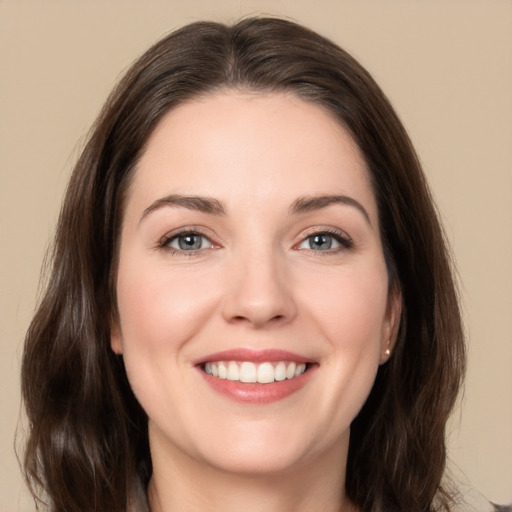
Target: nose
x: 260, y: 291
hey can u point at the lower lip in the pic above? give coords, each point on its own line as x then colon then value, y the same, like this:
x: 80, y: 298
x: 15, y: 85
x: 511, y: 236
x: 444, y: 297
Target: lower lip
x: 255, y: 392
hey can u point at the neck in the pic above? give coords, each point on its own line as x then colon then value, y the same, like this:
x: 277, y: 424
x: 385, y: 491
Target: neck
x: 181, y: 483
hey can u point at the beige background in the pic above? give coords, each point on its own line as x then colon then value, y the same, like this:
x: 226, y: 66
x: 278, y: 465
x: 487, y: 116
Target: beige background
x: 447, y: 67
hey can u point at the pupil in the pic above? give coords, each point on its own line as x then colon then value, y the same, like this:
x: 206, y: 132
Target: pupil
x: 188, y: 242
x: 321, y: 242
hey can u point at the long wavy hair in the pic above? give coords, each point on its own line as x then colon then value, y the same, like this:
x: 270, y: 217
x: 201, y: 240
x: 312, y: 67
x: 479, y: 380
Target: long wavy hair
x: 88, y: 435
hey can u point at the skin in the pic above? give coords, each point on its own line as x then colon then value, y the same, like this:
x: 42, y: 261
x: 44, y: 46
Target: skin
x: 256, y: 282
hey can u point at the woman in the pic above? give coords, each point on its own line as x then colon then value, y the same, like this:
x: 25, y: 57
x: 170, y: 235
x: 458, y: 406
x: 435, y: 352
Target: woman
x: 251, y: 304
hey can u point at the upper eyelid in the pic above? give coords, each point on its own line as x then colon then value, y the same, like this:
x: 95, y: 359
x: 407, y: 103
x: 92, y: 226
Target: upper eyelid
x: 329, y: 230
x: 185, y: 230
x: 174, y: 236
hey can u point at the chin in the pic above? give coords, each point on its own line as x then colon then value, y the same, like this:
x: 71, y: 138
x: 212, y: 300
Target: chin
x: 254, y: 450
x: 257, y: 462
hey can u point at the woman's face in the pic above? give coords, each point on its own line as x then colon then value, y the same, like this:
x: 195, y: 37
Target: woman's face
x: 252, y: 288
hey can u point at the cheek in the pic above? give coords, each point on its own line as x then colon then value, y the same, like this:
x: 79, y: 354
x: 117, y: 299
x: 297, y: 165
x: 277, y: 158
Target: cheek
x: 353, y: 319
x: 160, y: 313
x: 160, y: 310
x: 351, y: 312
x: 351, y: 309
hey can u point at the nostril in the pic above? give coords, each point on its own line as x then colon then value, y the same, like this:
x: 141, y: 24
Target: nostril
x: 257, y: 321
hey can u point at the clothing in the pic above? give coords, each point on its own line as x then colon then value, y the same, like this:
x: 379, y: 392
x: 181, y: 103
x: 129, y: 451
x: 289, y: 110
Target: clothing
x: 471, y: 502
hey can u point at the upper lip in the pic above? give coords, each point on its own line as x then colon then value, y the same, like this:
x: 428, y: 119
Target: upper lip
x: 255, y: 356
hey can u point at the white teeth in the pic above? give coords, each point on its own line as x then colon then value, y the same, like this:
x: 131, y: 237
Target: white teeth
x: 265, y: 373
x: 246, y: 371
x: 301, y: 368
x: 233, y: 371
x: 290, y: 370
x: 280, y: 371
x: 223, y: 371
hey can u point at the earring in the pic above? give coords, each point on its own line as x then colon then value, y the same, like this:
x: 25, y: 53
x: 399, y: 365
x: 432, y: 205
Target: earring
x: 387, y: 352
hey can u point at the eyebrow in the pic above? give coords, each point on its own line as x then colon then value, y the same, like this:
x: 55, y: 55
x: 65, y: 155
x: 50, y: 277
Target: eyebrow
x: 311, y: 203
x: 199, y: 203
x: 212, y: 206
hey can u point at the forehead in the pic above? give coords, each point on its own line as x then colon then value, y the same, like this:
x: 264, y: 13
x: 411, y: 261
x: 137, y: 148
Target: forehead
x: 240, y: 145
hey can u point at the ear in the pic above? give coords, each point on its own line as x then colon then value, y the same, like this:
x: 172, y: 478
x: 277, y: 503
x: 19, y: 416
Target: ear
x: 391, y: 324
x: 116, y: 339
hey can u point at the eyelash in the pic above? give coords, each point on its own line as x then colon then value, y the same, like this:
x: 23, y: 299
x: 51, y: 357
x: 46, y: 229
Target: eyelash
x: 339, y: 236
x: 165, y: 242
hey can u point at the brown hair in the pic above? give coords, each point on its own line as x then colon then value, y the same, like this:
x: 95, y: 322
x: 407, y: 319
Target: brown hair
x: 88, y: 435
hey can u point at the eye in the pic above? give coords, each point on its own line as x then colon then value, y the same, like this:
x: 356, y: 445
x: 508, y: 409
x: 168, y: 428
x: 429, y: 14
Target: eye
x: 325, y: 241
x: 187, y: 242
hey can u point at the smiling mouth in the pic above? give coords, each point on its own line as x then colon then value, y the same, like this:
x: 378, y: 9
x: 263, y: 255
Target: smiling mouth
x: 248, y: 372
